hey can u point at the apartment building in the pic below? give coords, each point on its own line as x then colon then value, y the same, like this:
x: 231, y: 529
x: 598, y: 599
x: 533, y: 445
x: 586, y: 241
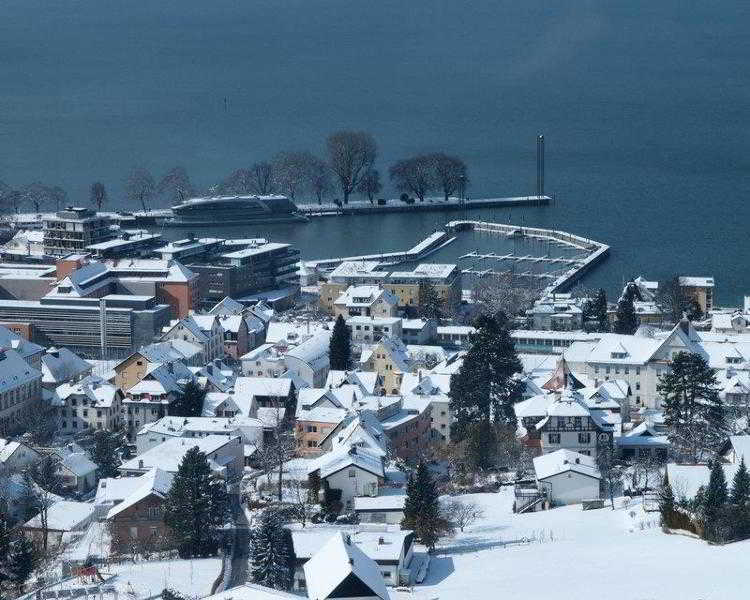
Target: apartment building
x: 20, y: 390
x: 91, y: 403
x: 73, y: 229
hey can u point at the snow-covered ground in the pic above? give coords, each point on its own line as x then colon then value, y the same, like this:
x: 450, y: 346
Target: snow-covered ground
x: 189, y: 577
x: 618, y: 555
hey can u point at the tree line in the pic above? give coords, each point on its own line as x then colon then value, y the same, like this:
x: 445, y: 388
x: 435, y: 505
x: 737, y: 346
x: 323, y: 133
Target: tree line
x: 347, y: 167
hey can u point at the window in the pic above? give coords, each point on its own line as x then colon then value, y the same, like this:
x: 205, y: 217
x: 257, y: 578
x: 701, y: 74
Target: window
x: 637, y: 370
x: 153, y: 512
x: 352, y: 472
x: 301, y: 584
x: 134, y: 533
x: 584, y: 438
x: 554, y: 438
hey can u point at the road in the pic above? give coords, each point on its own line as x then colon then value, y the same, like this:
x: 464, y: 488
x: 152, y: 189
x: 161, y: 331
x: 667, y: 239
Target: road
x: 241, y: 549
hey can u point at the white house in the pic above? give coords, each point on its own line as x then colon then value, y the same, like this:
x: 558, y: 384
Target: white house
x: 367, y: 330
x: 202, y: 330
x: 386, y: 507
x: 309, y: 363
x: 16, y: 456
x: 567, y: 477
x: 340, y: 569
x: 365, y: 301
x: 151, y: 435
x: 356, y: 472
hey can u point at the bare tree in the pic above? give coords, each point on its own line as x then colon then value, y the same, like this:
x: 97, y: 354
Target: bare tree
x: 38, y: 195
x: 45, y: 475
x: 298, y: 493
x: 413, y: 176
x: 139, y: 187
x: 290, y: 170
x: 238, y: 182
x: 504, y: 292
x: 370, y: 184
x: 449, y: 174
x: 318, y: 177
x: 175, y: 186
x: 262, y: 180
x: 462, y: 514
x: 351, y: 155
x: 98, y: 195
x: 280, y: 448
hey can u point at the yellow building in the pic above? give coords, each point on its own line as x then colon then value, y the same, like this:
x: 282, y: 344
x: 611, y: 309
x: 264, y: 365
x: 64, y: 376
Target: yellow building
x: 390, y: 360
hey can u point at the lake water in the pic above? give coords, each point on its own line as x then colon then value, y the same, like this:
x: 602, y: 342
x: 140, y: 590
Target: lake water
x: 645, y: 108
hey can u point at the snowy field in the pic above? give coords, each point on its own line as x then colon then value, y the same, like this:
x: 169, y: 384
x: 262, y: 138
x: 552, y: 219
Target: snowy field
x: 146, y: 579
x: 618, y: 555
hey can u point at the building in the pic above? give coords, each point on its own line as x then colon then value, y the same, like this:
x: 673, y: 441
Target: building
x: 91, y: 403
x: 202, y: 330
x: 386, y: 507
x: 453, y: 336
x: 369, y: 330
x: 389, y: 358
x: 365, y: 301
x: 309, y: 361
x: 74, y: 229
x: 138, y: 519
x: 435, y: 388
x: 341, y: 570
x: 16, y: 456
x: 130, y: 243
x: 700, y: 290
x: 567, y: 477
x: 75, y: 469
x: 557, y: 312
x: 354, y: 470
x: 60, y: 365
x: 391, y: 550
x: 445, y: 278
x: 63, y: 517
x: 20, y: 391
x: 418, y: 331
x: 319, y: 412
x: 225, y: 456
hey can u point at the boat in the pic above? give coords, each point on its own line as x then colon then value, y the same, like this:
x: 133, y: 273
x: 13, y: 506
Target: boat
x: 233, y: 210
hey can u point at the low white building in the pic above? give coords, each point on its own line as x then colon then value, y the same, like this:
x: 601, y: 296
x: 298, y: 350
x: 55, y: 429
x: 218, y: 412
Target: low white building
x: 567, y: 477
x: 151, y: 435
x: 355, y: 471
x: 368, y: 330
x: 387, y: 507
x: 308, y: 363
x: 365, y: 301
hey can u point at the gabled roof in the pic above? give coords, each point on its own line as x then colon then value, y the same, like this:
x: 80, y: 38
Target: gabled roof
x: 563, y: 461
x: 227, y: 306
x: 340, y: 561
x: 15, y: 371
x: 63, y: 515
x: 346, y: 457
x: 99, y: 392
x: 562, y: 377
x: 155, y: 482
x: 61, y: 365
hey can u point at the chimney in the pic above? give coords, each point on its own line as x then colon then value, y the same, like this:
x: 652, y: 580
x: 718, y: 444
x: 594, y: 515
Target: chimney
x: 104, y: 484
x: 140, y: 464
x: 381, y: 541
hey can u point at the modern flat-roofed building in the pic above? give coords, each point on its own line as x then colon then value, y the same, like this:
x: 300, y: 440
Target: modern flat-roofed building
x: 73, y: 229
x: 699, y: 289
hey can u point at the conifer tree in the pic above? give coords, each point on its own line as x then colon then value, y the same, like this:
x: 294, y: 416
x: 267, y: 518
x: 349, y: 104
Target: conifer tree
x: 600, y: 311
x: 430, y: 305
x: 272, y: 559
x: 340, y: 348
x: 5, y: 539
x: 626, y: 321
x: 195, y: 506
x: 422, y: 508
x: 190, y: 402
x: 693, y: 410
x: 666, y: 502
x: 21, y: 561
x: 740, y: 495
x: 170, y: 594
x: 714, y: 498
x: 485, y: 389
x: 105, y: 451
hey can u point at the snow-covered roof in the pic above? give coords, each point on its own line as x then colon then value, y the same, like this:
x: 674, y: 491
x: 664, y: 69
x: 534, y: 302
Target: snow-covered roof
x: 366, y: 380
x: 99, y: 392
x: 335, y: 461
x: 60, y: 365
x: 252, y: 591
x: 155, y: 482
x: 383, y: 502
x: 74, y: 459
x: 227, y: 306
x: 278, y: 387
x: 337, y: 560
x: 314, y: 351
x: 168, y: 455
x: 562, y: 461
x: 63, y: 515
x: 15, y: 371
x: 696, y: 281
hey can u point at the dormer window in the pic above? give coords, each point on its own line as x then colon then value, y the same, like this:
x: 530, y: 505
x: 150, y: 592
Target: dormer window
x: 619, y: 354
x: 733, y: 360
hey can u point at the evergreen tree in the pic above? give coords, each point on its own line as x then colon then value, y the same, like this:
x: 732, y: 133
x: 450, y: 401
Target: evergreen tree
x: 272, y: 560
x: 666, y: 502
x: 195, y: 506
x: 485, y: 389
x: 340, y: 349
x: 626, y: 321
x: 105, y: 452
x: 21, y: 561
x: 599, y: 311
x: 714, y: 502
x: 5, y: 540
x: 481, y: 446
x: 190, y: 402
x: 170, y: 594
x: 693, y: 410
x: 430, y: 304
x: 422, y: 508
x: 740, y: 495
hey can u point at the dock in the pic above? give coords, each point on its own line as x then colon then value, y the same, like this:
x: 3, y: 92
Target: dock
x: 431, y: 204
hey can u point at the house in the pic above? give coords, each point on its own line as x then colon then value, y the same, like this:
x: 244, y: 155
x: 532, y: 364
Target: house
x: 386, y: 507
x: 365, y: 301
x: 418, y: 331
x: 63, y: 517
x: 203, y: 330
x: 644, y: 441
x: 436, y: 387
x: 20, y: 390
x: 16, y: 456
x: 732, y: 450
x: 567, y: 477
x: 60, y: 365
x: 308, y: 362
x: 340, y: 569
x: 265, y: 391
x: 91, y: 402
x: 731, y: 323
x: 267, y: 360
x: 355, y: 471
x: 452, y: 336
x: 28, y: 351
x: 367, y: 381
x: 319, y: 411
x: 76, y: 470
x: 389, y: 358
x: 151, y: 435
x: 700, y: 290
x: 408, y: 426
x: 225, y: 456
x: 559, y: 312
x: 252, y: 591
x: 135, y: 367
x: 368, y: 330
x: 392, y: 550
x: 138, y: 519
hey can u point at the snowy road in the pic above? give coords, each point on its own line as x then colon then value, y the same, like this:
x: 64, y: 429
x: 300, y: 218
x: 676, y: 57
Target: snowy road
x: 241, y: 550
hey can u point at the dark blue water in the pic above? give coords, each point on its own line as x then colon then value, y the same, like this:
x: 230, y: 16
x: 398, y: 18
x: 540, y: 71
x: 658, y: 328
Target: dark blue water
x: 645, y: 107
